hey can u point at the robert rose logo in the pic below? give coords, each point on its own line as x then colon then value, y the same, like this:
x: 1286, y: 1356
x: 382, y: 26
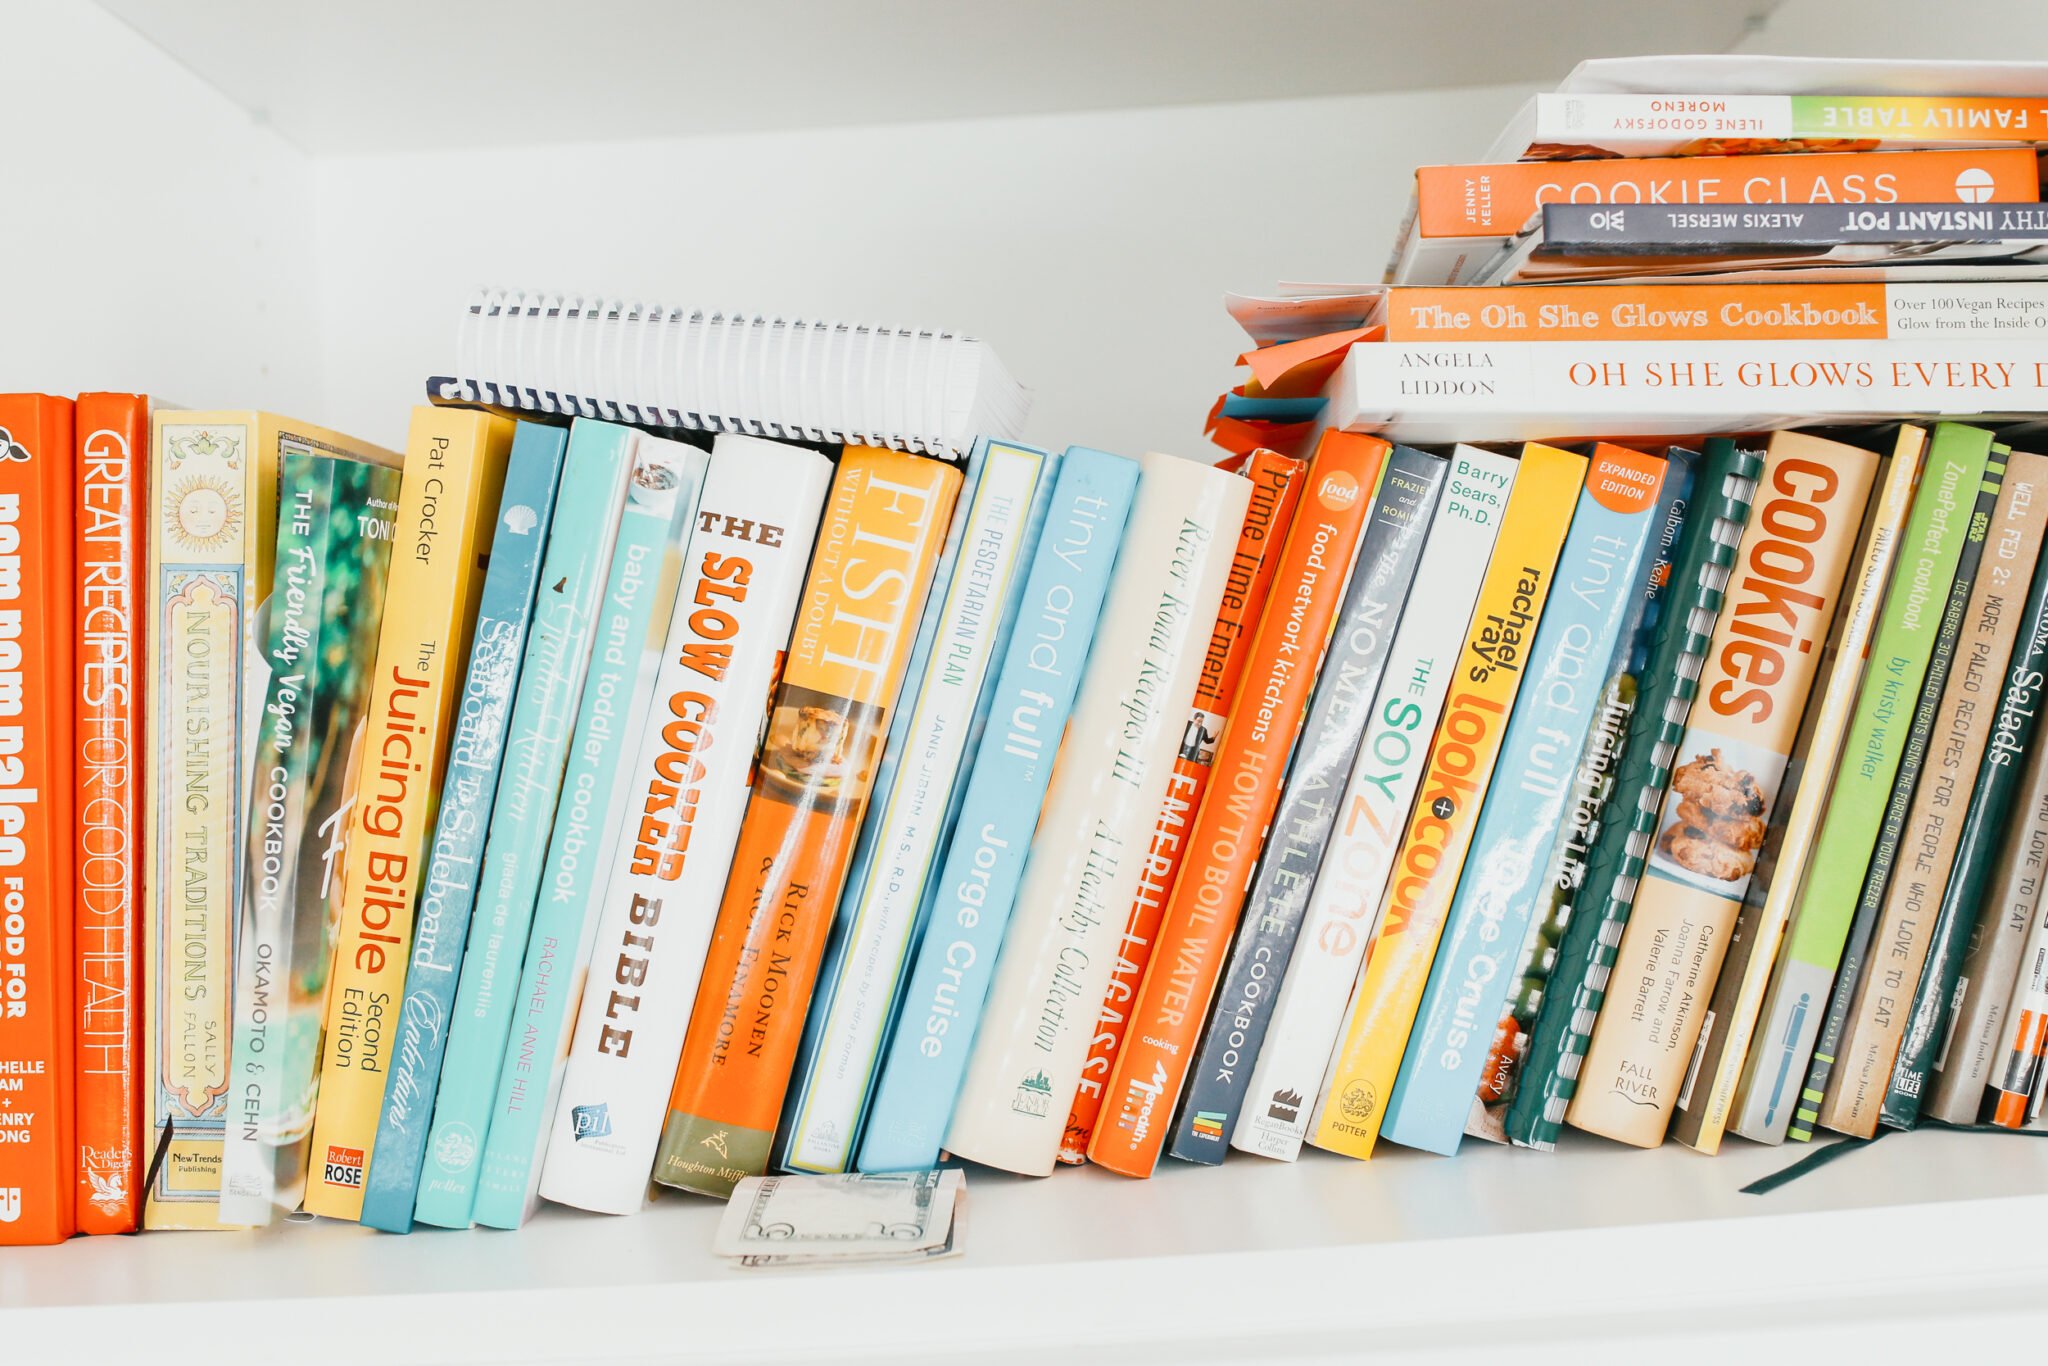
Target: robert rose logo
x: 344, y: 1167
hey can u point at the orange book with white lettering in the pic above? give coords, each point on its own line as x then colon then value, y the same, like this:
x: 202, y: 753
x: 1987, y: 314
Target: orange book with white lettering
x: 113, y: 454
x: 38, y: 1148
x: 1229, y: 829
x: 1276, y: 489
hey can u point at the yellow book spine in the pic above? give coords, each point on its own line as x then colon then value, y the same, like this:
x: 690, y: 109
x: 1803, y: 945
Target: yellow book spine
x: 1439, y: 833
x: 1809, y: 804
x: 454, y: 474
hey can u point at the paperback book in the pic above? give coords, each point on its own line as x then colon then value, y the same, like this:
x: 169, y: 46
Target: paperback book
x: 1041, y: 671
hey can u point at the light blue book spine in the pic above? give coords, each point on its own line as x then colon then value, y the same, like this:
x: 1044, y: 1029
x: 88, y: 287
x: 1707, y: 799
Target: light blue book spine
x: 661, y: 503
x: 1504, y: 880
x: 572, y: 580
x: 977, y: 886
x: 966, y: 628
x: 503, y: 618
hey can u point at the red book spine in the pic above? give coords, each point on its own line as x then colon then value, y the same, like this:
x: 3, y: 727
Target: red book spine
x: 38, y: 1152
x: 113, y: 453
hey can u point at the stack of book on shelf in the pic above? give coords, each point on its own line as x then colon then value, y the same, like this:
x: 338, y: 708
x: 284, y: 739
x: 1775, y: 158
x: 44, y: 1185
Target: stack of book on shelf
x: 718, y: 746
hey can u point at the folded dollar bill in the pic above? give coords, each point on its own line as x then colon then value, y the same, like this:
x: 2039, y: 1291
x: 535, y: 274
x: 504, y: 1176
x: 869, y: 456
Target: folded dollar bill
x: 811, y: 1220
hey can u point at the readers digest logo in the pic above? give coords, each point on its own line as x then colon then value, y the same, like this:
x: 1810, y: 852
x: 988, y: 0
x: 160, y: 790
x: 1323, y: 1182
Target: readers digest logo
x: 343, y: 1167
x: 591, y: 1121
x: 1034, y: 1096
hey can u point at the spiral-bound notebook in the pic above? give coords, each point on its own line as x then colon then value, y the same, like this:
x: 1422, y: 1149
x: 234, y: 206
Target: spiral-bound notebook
x: 797, y: 379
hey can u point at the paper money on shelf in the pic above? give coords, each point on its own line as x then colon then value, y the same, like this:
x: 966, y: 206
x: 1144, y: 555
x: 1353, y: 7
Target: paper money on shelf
x: 818, y: 1220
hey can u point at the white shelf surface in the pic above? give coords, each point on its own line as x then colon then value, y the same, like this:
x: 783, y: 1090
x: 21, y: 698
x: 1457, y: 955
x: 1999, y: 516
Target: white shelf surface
x: 1588, y: 1242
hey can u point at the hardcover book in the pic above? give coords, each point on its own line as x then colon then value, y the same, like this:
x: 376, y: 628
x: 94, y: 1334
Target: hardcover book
x: 1485, y: 682
x: 662, y: 496
x: 1445, y: 516
x: 1587, y: 807
x: 1128, y: 723
x: 504, y: 616
x: 39, y: 1157
x: 112, y: 432
x: 1781, y: 601
x: 212, y: 493
x: 1725, y: 1055
x: 689, y: 782
x: 885, y: 520
x: 1230, y: 826
x: 592, y: 492
x: 1506, y: 872
x: 889, y: 888
x: 1966, y: 1062
x: 1276, y: 482
x: 1953, y: 595
x: 1970, y: 714
x: 2014, y: 731
x: 978, y: 882
x: 1585, y: 956
x: 334, y: 536
x: 453, y: 476
x: 1924, y: 570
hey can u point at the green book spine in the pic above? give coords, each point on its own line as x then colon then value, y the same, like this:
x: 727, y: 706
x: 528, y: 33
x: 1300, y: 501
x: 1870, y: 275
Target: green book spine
x: 1988, y: 474
x: 1977, y: 862
x: 1585, y: 956
x: 1899, y: 654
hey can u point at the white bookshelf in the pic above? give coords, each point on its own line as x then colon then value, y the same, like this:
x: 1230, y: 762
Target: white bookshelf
x: 1591, y: 1246
x: 249, y: 204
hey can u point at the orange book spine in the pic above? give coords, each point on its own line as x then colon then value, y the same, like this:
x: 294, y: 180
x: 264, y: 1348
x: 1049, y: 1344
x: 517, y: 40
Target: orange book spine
x: 113, y: 453
x: 38, y: 1147
x: 1230, y: 825
x: 1276, y: 490
x: 885, y: 521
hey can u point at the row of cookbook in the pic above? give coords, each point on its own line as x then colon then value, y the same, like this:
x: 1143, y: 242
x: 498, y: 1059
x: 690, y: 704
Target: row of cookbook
x: 557, y: 808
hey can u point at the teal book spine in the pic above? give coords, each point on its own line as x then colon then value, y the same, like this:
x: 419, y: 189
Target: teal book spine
x: 551, y: 674
x: 503, y: 622
x: 967, y: 623
x: 926, y: 1056
x: 646, y: 569
x: 1572, y: 659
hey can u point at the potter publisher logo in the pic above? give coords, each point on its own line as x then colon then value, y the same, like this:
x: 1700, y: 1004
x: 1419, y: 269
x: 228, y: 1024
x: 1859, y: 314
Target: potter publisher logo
x: 1359, y: 1102
x: 343, y: 1167
x: 591, y: 1121
x: 455, y: 1149
x: 1286, y: 1106
x: 1034, y: 1096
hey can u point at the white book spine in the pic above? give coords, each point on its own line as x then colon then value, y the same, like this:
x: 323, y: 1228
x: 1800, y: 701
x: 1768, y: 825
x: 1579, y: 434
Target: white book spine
x: 879, y: 922
x: 744, y: 571
x: 1097, y: 824
x: 1342, y: 918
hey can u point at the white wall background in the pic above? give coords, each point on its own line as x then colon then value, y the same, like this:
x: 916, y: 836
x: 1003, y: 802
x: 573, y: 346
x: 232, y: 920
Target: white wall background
x: 163, y: 239
x: 153, y: 237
